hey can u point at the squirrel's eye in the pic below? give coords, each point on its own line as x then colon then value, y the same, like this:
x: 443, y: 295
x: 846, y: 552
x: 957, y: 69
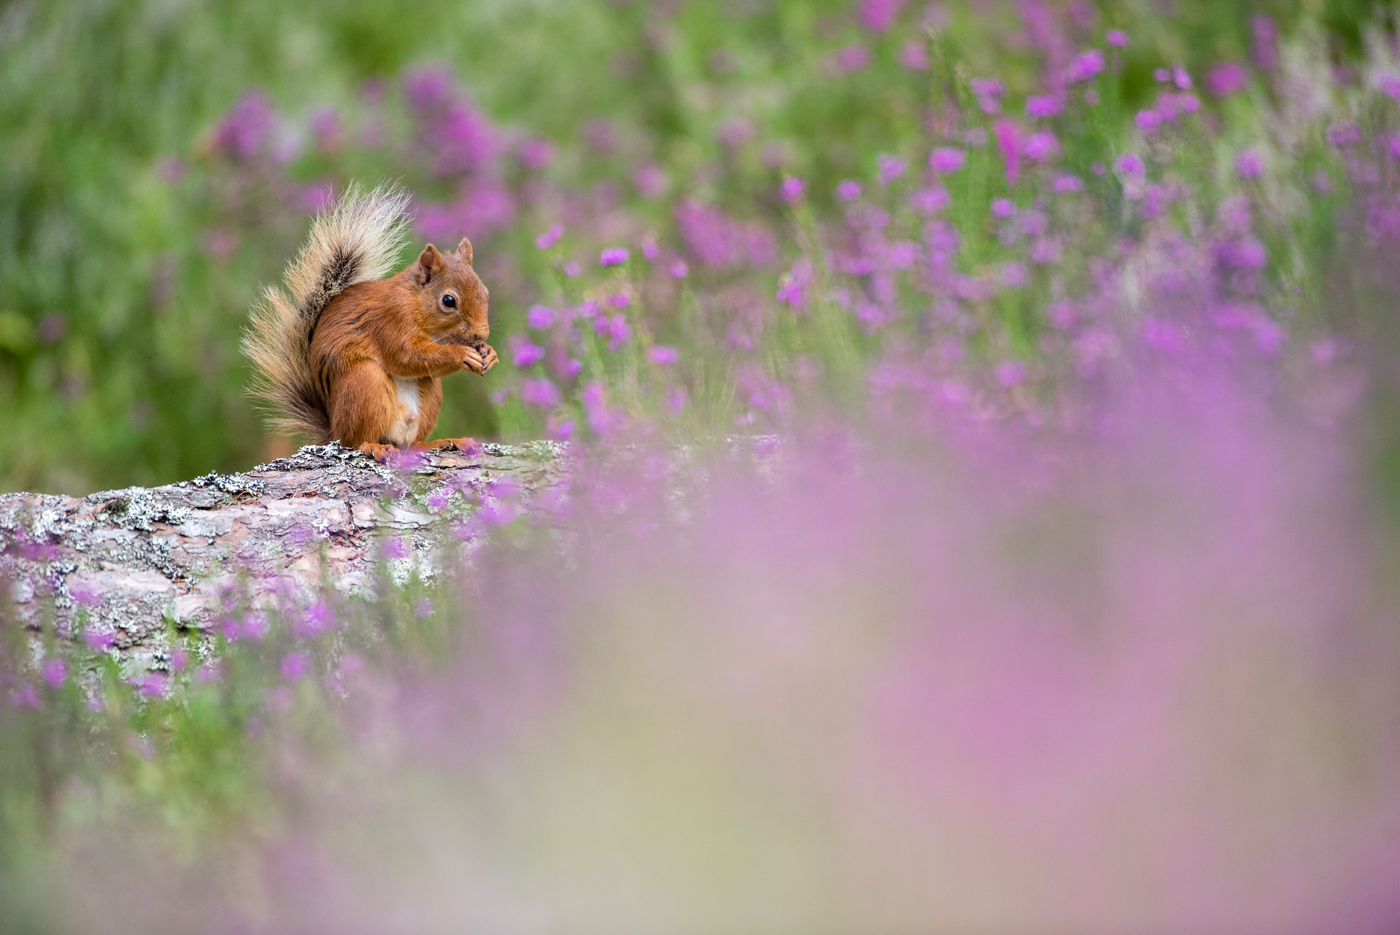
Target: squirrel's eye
x: 449, y: 301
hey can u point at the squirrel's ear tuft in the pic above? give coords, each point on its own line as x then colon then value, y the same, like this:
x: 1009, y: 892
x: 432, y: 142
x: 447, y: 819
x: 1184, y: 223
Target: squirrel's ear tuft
x: 464, y: 250
x: 429, y: 261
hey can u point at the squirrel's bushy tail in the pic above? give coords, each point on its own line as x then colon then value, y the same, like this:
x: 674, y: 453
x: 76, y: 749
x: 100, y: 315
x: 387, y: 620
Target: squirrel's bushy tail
x: 355, y: 241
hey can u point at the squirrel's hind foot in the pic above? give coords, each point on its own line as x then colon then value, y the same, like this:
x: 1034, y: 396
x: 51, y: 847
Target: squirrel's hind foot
x: 465, y: 445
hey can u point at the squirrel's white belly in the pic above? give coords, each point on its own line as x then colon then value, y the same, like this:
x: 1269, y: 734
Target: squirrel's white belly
x: 404, y: 431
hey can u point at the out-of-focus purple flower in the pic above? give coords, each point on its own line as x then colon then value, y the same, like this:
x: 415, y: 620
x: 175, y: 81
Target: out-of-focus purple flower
x: 427, y: 88
x: 1250, y: 164
x: 1227, y: 78
x: 619, y: 332
x: 1010, y: 372
x: 1009, y: 142
x: 988, y: 92
x: 1014, y: 275
x: 1147, y: 120
x: 550, y: 237
x: 1343, y: 133
x: 1085, y: 67
x: 721, y: 241
x: 1389, y: 85
x: 735, y: 133
x: 852, y: 58
x: 914, y: 56
x: 1003, y: 208
x: 600, y: 134
x: 879, y: 15
x: 171, y: 170
x: 573, y: 368
x: 1117, y: 38
x: 55, y: 673
x: 246, y: 127
x: 394, y: 547
x: 539, y: 317
x: 650, y: 251
x: 614, y: 256
x: 540, y: 393
x: 572, y: 269
x: 536, y: 153
x: 620, y: 300
x: 326, y: 128
x: 1181, y: 78
x: 1040, y: 146
x: 890, y: 168
x: 1265, y: 40
x: 929, y: 200
x: 423, y: 609
x: 792, y: 189
x: 1162, y: 75
x: 663, y: 356
x: 151, y: 684
x: 100, y: 639
x: 946, y: 161
x: 679, y: 269
x: 1130, y: 165
x: 1039, y: 106
x: 526, y: 353
x: 294, y: 666
x: 792, y: 287
x: 651, y: 181
x: 848, y: 190
x: 1066, y: 184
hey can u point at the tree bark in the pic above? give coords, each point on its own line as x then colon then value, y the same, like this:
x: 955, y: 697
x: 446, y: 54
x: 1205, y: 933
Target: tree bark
x: 134, y: 564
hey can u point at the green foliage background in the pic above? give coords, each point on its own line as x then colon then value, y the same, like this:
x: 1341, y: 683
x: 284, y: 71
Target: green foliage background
x: 145, y: 383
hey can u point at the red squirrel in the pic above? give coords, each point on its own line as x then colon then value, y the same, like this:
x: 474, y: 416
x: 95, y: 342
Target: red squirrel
x: 348, y: 355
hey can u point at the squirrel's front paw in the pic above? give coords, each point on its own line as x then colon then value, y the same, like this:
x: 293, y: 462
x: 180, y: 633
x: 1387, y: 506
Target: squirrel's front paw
x: 488, y: 356
x: 472, y: 360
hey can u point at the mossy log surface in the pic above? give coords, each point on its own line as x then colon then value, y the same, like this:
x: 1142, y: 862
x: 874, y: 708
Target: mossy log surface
x: 139, y: 563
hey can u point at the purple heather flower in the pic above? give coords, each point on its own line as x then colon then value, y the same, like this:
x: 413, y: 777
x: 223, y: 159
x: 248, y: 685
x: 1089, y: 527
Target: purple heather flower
x: 619, y: 332
x: 1040, y: 146
x: 1147, y: 120
x: 620, y: 300
x: 100, y: 639
x: 1130, y: 165
x: 1003, y: 208
x: 1227, y: 78
x: 663, y: 356
x: 890, y: 167
x: 1085, y: 67
x: 1014, y: 275
x: 792, y: 189
x: 651, y: 181
x: 650, y: 251
x: 573, y: 368
x: 55, y: 673
x: 423, y: 609
x: 1065, y: 184
x: 1343, y: 133
x: 550, y: 237
x: 1117, y: 38
x: 852, y: 58
x: 929, y: 200
x: 1181, y: 77
x: 526, y: 353
x: 1265, y: 40
x: 394, y: 547
x: 539, y: 317
x: 1250, y: 164
x: 879, y: 15
x: 614, y: 256
x: 1010, y: 372
x: 1162, y: 75
x: 541, y: 393
x: 150, y: 685
x: 848, y: 190
x: 1389, y: 85
x: 946, y: 161
x: 294, y: 666
x: 246, y: 127
x: 536, y: 153
x: 1009, y: 142
x: 600, y: 134
x: 735, y: 133
x: 914, y: 56
x: 572, y: 269
x: 679, y: 269
x: 1043, y: 105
